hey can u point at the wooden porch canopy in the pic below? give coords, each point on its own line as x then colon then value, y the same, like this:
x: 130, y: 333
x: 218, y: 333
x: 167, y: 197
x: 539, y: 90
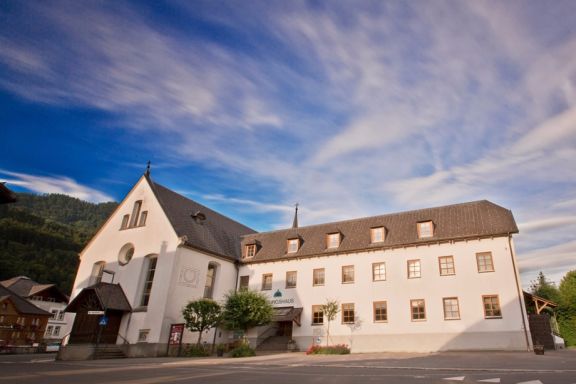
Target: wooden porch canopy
x: 539, y: 302
x: 101, y: 296
x: 287, y: 314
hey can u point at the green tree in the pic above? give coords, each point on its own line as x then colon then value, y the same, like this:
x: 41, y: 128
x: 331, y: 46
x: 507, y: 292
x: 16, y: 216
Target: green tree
x: 567, y: 308
x: 201, y: 315
x: 246, y: 309
x: 330, y: 310
x: 544, y: 288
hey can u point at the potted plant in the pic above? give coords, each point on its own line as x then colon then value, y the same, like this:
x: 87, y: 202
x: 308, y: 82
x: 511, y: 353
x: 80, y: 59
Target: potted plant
x: 292, y: 347
x: 538, y: 349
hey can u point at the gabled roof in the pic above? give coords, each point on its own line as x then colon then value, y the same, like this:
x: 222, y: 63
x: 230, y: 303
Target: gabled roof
x: 452, y: 222
x: 26, y: 287
x: 201, y: 227
x: 100, y: 296
x: 22, y: 305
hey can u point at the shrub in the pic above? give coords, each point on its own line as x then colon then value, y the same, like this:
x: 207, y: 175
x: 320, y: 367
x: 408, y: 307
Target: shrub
x: 339, y: 349
x: 243, y: 350
x: 195, y: 350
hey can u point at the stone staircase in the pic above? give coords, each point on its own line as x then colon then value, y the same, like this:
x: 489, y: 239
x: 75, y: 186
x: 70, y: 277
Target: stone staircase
x: 108, y: 351
x: 274, y: 344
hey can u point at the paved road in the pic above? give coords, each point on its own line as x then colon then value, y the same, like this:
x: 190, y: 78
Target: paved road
x: 496, y: 367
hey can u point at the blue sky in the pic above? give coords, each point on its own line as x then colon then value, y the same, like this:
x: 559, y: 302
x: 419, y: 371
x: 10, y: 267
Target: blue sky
x: 349, y: 108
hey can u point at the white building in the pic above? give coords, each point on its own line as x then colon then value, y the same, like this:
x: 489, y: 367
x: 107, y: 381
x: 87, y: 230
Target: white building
x: 434, y: 279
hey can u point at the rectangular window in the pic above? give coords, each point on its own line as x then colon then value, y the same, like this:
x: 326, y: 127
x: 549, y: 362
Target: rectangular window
x: 49, y: 330
x: 318, y: 276
x: 267, y: 282
x: 143, y: 335
x: 451, y: 308
x: 347, y: 274
x: 425, y: 229
x: 317, y: 315
x: 250, y: 250
x: 348, y: 313
x: 291, y: 279
x: 378, y: 271
x: 377, y: 235
x: 244, y: 281
x: 151, y: 270
x: 60, y: 316
x: 143, y: 217
x: 125, y: 220
x: 446, y: 264
x: 484, y: 261
x: 491, y: 307
x: 56, y: 331
x: 135, y: 212
x: 293, y: 245
x: 418, y: 310
x: 333, y: 240
x: 380, y: 311
x: 54, y: 313
x: 414, y: 271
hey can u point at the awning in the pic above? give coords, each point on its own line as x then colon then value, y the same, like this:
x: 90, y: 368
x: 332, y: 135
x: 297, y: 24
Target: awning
x: 100, y: 296
x: 539, y: 303
x: 287, y: 314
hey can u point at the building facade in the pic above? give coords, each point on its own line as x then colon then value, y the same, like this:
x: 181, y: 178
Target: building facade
x: 49, y: 298
x: 434, y: 279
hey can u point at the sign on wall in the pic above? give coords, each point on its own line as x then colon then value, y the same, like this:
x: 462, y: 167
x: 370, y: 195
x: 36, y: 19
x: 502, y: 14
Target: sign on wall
x: 189, y: 277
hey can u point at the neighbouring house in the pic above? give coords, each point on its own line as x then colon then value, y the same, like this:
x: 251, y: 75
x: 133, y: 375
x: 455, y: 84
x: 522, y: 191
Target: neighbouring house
x: 21, y: 322
x: 47, y: 297
x: 441, y: 278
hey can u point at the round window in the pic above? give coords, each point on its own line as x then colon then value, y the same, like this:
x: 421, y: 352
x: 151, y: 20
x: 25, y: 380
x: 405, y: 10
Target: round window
x: 126, y: 253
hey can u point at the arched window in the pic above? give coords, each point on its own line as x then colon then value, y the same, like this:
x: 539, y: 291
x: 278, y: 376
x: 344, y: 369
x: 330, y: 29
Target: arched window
x: 97, y: 271
x: 149, y: 271
x: 210, y: 279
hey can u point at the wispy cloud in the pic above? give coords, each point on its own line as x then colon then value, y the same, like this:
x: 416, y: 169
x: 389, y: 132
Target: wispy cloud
x: 351, y: 111
x: 54, y: 184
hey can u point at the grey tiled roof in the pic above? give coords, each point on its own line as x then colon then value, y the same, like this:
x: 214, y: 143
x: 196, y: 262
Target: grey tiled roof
x: 26, y: 287
x: 108, y: 296
x: 22, y: 305
x: 216, y: 234
x: 459, y: 221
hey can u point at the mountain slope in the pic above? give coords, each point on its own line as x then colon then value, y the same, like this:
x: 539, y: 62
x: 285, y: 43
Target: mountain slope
x: 41, y: 235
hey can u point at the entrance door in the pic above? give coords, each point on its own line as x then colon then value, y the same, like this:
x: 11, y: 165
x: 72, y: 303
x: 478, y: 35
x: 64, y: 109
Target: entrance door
x: 284, y: 329
x: 86, y: 328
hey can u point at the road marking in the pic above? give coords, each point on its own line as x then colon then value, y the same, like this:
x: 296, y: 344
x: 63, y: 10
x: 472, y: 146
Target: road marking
x: 41, y: 360
x: 531, y: 382
x: 496, y: 380
x: 457, y: 378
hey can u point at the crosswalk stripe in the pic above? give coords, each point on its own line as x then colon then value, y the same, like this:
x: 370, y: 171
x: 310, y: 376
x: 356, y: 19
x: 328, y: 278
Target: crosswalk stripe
x: 457, y: 378
x: 531, y: 382
x: 495, y: 380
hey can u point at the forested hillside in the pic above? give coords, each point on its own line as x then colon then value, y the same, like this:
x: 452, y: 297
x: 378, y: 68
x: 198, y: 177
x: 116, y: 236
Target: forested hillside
x: 41, y: 235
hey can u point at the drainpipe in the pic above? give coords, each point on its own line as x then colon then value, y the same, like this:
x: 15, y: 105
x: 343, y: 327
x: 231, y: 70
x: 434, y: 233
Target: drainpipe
x: 523, y: 311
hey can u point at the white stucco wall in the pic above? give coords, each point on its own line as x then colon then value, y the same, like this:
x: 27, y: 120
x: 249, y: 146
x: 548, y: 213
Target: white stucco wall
x: 472, y: 331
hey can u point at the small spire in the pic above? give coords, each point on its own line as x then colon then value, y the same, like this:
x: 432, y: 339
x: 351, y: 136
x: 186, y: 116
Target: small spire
x: 295, y: 222
x: 147, y: 173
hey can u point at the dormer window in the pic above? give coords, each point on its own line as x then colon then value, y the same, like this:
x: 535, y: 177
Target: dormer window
x: 333, y: 240
x: 425, y: 229
x: 250, y: 250
x: 377, y: 234
x: 293, y: 245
